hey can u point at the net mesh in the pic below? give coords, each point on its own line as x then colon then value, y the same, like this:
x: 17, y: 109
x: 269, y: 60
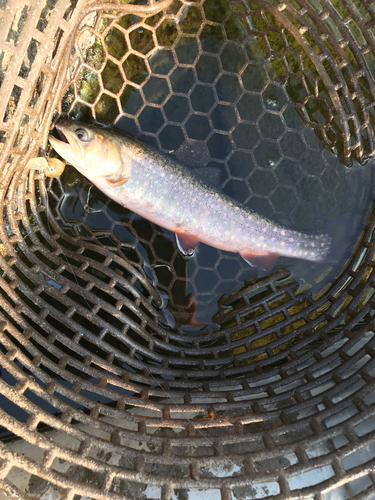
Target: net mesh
x: 99, y: 397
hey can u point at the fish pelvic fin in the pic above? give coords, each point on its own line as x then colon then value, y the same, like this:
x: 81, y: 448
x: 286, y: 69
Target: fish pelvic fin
x: 186, y: 242
x: 264, y: 261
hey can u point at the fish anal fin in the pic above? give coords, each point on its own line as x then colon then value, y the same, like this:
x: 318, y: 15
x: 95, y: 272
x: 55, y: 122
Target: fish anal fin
x: 186, y: 242
x: 116, y: 181
x: 264, y: 261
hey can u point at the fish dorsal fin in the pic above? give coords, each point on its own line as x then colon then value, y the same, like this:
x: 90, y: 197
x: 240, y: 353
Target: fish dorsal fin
x: 186, y: 242
x: 212, y: 175
x: 264, y: 261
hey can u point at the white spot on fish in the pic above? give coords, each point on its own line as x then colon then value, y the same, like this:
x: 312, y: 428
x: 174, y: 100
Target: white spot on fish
x: 282, y: 243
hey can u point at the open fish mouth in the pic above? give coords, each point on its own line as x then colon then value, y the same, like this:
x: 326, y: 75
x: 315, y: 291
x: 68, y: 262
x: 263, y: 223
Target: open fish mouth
x: 65, y: 145
x: 62, y: 136
x: 58, y: 135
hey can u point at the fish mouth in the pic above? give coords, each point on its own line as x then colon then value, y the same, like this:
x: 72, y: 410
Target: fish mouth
x: 65, y: 144
x: 62, y: 136
x: 57, y: 133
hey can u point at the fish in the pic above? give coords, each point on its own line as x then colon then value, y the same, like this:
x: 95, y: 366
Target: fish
x: 180, y: 199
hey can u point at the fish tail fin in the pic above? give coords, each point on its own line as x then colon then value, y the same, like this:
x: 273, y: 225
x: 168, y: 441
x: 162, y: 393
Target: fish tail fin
x: 341, y: 231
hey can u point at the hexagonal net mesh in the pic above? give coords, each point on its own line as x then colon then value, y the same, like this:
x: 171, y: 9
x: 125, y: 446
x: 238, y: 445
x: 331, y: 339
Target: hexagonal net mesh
x: 110, y: 387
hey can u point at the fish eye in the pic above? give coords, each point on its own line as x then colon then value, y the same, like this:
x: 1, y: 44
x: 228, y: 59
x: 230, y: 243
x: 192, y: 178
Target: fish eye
x: 82, y: 134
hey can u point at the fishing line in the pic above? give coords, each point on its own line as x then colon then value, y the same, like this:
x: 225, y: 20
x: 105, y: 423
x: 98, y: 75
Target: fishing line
x: 87, y: 209
x: 168, y: 396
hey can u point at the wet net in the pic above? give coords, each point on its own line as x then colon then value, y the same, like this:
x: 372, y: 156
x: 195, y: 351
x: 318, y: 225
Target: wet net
x: 100, y: 397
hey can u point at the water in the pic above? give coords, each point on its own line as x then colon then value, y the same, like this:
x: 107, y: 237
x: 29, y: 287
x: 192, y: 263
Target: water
x: 192, y: 285
x: 245, y: 122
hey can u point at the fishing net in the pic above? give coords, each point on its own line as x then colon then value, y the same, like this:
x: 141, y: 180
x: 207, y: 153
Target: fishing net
x: 100, y: 397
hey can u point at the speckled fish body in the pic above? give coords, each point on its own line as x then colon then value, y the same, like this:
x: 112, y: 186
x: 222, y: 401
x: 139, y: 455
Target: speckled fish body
x: 176, y: 198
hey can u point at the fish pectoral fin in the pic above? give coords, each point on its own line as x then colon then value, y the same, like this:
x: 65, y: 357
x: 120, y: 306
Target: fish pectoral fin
x: 186, y: 242
x: 264, y: 261
x: 116, y: 180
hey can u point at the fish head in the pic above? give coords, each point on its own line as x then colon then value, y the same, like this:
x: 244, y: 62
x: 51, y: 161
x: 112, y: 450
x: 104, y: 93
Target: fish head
x: 95, y: 152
